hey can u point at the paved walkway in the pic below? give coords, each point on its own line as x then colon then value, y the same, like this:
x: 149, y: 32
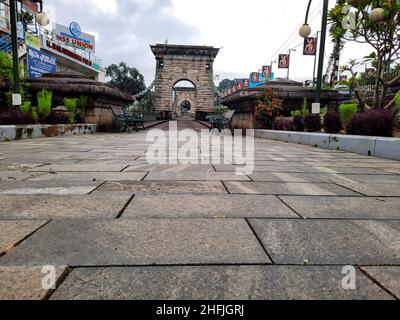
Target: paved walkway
x: 116, y: 227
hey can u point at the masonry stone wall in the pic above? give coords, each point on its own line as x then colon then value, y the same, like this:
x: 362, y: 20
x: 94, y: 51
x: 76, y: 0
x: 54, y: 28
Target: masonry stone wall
x: 190, y: 63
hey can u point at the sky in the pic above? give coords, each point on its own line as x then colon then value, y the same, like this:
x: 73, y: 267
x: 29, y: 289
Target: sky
x: 250, y: 33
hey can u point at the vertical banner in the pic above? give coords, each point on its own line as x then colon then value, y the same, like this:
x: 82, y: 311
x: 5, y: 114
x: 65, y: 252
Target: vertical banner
x: 310, y: 46
x: 266, y: 70
x: 246, y: 83
x: 283, y: 62
x: 255, y: 77
x: 369, y: 72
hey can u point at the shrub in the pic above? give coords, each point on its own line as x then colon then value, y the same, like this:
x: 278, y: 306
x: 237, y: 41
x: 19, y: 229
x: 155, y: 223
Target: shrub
x: 372, y: 123
x: 312, y: 123
x: 82, y: 105
x: 298, y: 123
x: 347, y: 112
x: 71, y: 105
x: 57, y: 118
x: 332, y: 122
x: 283, y: 124
x: 14, y: 118
x: 44, y: 99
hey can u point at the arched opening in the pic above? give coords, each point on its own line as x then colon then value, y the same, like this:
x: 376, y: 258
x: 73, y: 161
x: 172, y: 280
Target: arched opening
x: 184, y: 98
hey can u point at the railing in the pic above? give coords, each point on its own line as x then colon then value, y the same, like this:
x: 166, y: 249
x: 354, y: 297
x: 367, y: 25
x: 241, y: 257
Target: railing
x: 6, y: 44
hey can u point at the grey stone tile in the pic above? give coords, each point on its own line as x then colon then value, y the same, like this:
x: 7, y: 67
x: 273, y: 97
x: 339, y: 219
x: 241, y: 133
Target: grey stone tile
x: 388, y: 277
x: 196, y: 206
x: 373, y: 189
x: 150, y: 187
x: 297, y: 177
x: 346, y: 169
x: 16, y: 176
x: 168, y: 168
x: 287, y: 188
x: 232, y: 168
x: 12, y: 232
x: 215, y: 283
x: 140, y: 242
x: 195, y: 176
x: 47, y: 187
x: 330, y: 241
x: 25, y: 283
x: 81, y: 167
x: 94, y: 206
x: 91, y: 176
x: 390, y: 179
x: 345, y: 207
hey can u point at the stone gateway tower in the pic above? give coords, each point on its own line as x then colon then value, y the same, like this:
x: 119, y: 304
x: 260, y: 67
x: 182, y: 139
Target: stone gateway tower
x: 177, y: 63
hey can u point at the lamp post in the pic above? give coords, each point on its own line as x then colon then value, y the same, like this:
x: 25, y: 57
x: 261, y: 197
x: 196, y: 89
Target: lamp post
x: 304, y: 32
x: 272, y: 64
x: 43, y: 20
x: 288, y: 69
x: 14, y: 43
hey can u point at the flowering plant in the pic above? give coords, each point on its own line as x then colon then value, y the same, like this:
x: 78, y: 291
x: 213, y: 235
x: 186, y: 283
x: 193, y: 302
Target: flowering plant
x: 268, y: 108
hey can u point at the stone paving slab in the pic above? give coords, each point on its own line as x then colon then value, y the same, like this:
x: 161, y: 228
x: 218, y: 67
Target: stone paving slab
x: 151, y: 187
x: 140, y: 242
x: 12, y: 232
x: 344, y: 207
x: 81, y: 167
x: 374, y: 189
x: 389, y: 277
x: 25, y: 283
x: 285, y: 188
x: 346, y: 169
x: 195, y: 176
x: 167, y: 168
x: 298, y: 177
x: 17, y: 176
x: 323, y: 242
x: 91, y: 176
x: 47, y: 187
x: 232, y: 168
x: 215, y: 283
x: 94, y: 206
x: 382, y: 179
x: 203, y: 206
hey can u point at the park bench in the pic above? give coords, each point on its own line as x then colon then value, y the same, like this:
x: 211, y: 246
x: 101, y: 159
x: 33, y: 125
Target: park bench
x: 124, y: 120
x: 222, y: 122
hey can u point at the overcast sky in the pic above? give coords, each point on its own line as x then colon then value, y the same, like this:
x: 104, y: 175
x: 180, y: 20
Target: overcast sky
x: 251, y: 33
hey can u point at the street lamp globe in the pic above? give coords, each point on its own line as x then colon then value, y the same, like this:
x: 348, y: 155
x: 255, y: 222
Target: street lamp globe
x: 305, y: 31
x: 377, y: 15
x: 42, y: 19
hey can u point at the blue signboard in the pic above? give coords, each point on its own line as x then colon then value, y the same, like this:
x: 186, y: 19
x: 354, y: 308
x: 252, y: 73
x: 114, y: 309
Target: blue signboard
x: 40, y: 63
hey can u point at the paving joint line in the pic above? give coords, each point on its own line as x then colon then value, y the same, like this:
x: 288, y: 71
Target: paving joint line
x: 364, y: 272
x: 125, y: 207
x: 290, y: 207
x: 259, y: 241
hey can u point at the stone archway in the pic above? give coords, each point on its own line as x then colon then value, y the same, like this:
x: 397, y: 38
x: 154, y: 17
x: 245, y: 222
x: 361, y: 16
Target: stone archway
x: 190, y: 63
x: 183, y: 94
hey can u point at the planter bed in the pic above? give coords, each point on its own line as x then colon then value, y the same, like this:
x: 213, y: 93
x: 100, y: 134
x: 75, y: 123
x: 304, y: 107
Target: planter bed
x: 10, y: 133
x: 388, y: 148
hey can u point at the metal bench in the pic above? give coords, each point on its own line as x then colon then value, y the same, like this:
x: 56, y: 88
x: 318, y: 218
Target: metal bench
x: 222, y: 121
x: 123, y: 120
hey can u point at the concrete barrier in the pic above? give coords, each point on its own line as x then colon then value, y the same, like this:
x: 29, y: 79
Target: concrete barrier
x: 11, y: 133
x: 388, y: 148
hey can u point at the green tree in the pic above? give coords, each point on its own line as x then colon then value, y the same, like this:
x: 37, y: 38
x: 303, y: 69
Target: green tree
x: 227, y: 84
x: 374, y: 22
x: 125, y: 78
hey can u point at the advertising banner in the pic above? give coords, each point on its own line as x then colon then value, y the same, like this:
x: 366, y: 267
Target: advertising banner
x: 310, y: 46
x: 73, y: 37
x: 32, y: 40
x: 266, y: 70
x: 283, y: 61
x: 40, y: 63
